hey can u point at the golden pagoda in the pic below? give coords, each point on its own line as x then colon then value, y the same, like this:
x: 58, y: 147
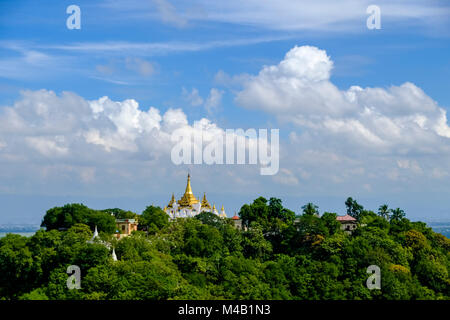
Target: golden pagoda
x: 189, y: 205
x: 222, y: 213
x: 172, y: 201
x: 205, y: 203
x: 188, y: 199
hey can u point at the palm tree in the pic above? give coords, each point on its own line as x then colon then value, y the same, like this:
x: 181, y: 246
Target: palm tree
x: 310, y: 208
x: 383, y: 211
x: 397, y: 214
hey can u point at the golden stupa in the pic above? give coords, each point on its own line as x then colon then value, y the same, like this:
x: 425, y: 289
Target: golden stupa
x: 188, y: 199
x: 205, y: 203
x: 172, y: 201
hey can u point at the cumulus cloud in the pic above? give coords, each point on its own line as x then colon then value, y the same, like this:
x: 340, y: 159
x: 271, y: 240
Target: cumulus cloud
x: 65, y: 143
x: 374, y: 138
x: 299, y: 90
x: 388, y: 138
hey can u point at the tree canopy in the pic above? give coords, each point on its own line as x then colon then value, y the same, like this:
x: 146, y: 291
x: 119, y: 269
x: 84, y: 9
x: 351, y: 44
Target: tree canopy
x: 62, y: 218
x: 277, y: 256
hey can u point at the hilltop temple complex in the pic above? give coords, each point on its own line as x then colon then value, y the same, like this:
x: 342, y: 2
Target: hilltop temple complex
x: 190, y: 206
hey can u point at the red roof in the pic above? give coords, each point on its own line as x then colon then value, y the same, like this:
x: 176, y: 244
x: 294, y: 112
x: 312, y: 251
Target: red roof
x: 235, y: 217
x: 345, y: 218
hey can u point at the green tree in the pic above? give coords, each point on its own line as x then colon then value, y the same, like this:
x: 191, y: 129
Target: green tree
x: 120, y: 213
x: 383, y: 211
x: 62, y: 218
x: 397, y: 214
x: 310, y: 208
x: 153, y: 219
x: 17, y: 271
x: 354, y: 209
x: 210, y: 219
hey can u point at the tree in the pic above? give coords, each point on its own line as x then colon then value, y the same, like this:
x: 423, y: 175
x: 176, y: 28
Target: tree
x: 383, y: 211
x: 397, y: 214
x: 210, y: 219
x: 258, y: 212
x: 201, y: 240
x: 277, y: 211
x: 331, y: 224
x: 120, y: 214
x: 17, y: 272
x: 255, y: 245
x: 310, y: 208
x: 62, y: 218
x: 354, y: 209
x: 154, y: 219
x: 207, y: 258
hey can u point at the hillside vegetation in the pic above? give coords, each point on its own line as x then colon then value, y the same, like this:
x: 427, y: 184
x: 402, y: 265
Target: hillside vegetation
x: 281, y: 255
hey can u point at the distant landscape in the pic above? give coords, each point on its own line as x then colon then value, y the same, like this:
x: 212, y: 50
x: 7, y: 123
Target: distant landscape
x: 29, y: 229
x: 441, y: 227
x: 266, y: 252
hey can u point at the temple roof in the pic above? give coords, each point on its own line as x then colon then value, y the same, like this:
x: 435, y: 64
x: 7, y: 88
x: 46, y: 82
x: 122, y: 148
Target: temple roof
x: 205, y: 203
x: 188, y: 199
x: 345, y: 218
x: 172, y: 201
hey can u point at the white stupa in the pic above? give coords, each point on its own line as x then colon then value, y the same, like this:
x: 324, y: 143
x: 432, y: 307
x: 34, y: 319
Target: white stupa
x: 114, y: 257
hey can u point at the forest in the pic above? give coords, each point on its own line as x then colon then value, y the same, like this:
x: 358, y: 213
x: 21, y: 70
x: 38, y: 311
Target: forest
x: 277, y: 255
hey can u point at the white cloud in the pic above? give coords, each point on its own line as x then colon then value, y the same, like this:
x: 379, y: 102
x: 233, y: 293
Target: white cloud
x: 48, y: 146
x: 292, y: 15
x: 286, y: 177
x: 211, y: 103
x: 224, y: 79
x: 409, y: 164
x: 192, y: 97
x: 71, y: 142
x: 169, y: 14
x: 398, y: 119
x: 65, y: 144
x: 378, y: 139
x: 140, y: 66
x: 214, y: 99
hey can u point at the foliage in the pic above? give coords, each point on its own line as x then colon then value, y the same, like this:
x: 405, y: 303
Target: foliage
x: 62, y: 218
x: 153, y: 219
x: 278, y: 256
x: 354, y: 209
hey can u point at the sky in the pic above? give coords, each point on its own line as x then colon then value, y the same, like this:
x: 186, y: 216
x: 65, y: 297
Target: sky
x: 87, y: 115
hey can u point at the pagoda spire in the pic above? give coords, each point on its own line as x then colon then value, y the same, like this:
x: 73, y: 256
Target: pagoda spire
x: 172, y: 201
x: 188, y: 198
x: 205, y: 203
x: 188, y: 186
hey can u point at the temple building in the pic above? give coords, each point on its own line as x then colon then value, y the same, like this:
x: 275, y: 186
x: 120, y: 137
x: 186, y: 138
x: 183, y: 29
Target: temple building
x: 237, y: 222
x: 190, y: 206
x: 124, y: 227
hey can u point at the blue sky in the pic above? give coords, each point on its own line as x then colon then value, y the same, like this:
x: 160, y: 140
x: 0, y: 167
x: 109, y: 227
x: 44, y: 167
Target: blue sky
x: 201, y: 59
